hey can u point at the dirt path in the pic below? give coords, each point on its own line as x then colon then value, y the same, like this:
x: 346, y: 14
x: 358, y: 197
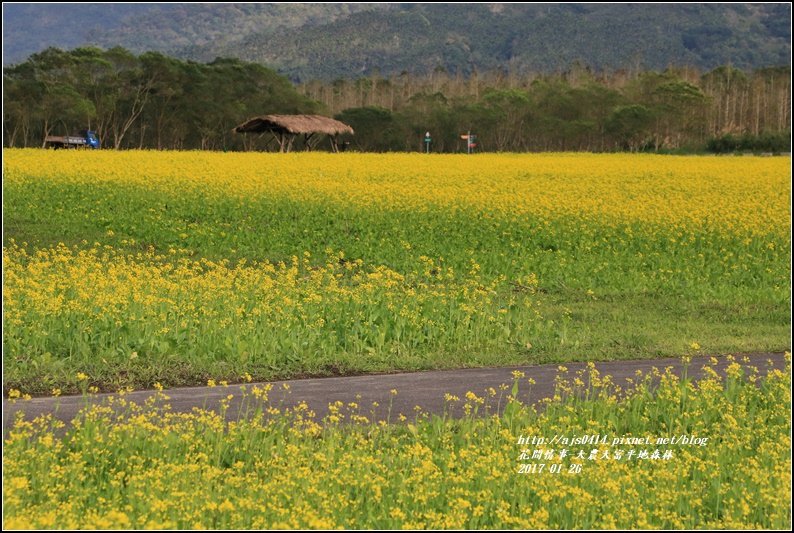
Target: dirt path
x: 423, y: 389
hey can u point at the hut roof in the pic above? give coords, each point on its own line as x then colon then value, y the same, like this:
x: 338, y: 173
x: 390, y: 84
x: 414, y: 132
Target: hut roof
x: 294, y: 124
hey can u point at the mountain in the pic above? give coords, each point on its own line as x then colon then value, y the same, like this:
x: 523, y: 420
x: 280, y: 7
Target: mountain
x: 326, y: 41
x: 169, y: 28
x: 29, y: 28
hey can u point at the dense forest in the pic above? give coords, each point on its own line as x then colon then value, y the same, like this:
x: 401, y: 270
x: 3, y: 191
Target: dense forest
x: 574, y: 110
x: 157, y: 102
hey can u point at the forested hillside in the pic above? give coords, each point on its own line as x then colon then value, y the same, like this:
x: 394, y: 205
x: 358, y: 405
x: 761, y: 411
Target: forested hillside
x: 524, y: 38
x: 318, y: 41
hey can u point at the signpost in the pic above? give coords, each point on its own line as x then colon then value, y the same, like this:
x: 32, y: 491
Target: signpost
x: 428, y: 140
x: 470, y: 144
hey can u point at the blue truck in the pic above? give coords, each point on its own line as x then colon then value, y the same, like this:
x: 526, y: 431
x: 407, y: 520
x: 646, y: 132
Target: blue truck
x: 82, y: 139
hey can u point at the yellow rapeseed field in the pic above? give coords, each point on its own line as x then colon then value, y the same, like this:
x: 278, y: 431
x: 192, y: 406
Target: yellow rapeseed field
x: 136, y: 267
x: 139, y: 268
x: 743, y: 193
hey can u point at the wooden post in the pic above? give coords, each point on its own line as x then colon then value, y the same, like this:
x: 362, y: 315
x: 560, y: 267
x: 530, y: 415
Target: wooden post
x: 280, y: 139
x: 334, y: 143
x: 307, y: 141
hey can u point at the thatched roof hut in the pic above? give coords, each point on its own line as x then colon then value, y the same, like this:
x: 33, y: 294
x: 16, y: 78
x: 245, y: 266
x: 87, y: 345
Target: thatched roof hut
x: 285, y: 127
x: 295, y: 124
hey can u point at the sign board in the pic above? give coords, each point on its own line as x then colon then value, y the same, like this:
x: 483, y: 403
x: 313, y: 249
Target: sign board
x: 470, y: 144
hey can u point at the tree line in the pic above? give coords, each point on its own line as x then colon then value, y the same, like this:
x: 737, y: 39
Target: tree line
x: 152, y: 101
x: 147, y: 101
x: 677, y: 109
